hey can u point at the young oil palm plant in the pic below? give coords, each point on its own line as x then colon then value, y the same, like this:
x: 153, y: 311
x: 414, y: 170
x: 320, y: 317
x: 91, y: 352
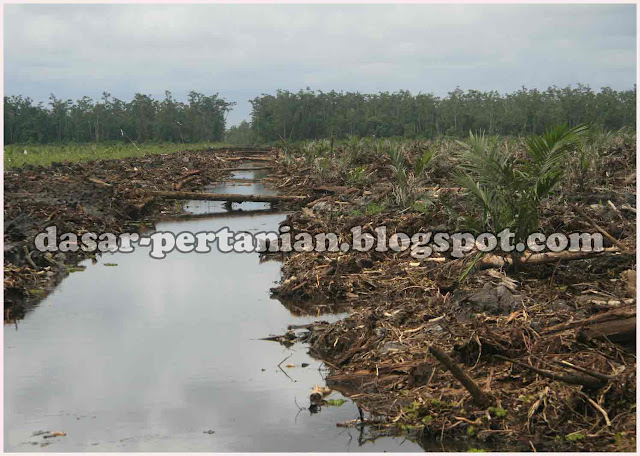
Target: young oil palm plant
x: 510, y: 191
x: 406, y: 188
x: 425, y: 160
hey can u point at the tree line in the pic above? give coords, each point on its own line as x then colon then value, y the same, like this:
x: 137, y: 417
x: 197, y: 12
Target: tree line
x: 310, y: 114
x: 142, y: 119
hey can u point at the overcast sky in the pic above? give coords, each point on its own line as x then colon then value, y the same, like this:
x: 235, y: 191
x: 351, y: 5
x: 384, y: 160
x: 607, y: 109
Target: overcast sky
x: 241, y: 51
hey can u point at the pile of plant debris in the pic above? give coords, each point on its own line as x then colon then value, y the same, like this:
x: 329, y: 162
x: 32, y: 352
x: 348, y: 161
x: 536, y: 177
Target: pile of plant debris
x: 98, y: 196
x: 535, y: 357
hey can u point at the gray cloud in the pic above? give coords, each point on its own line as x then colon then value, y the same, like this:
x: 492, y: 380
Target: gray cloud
x: 242, y: 51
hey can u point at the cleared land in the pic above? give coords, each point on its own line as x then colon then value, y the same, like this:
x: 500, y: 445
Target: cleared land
x: 536, y: 356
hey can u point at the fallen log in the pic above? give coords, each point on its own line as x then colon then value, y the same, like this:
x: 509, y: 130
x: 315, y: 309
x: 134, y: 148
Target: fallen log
x: 185, y: 181
x: 256, y: 159
x: 621, y: 313
x: 215, y: 215
x: 622, y: 331
x: 234, y: 198
x: 496, y: 261
x: 243, y: 148
x: 479, y: 397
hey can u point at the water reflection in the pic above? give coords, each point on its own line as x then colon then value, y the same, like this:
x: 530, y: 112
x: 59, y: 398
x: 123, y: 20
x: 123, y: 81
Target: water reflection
x: 162, y: 355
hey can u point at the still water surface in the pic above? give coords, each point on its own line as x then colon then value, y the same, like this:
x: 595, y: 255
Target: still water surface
x: 162, y: 355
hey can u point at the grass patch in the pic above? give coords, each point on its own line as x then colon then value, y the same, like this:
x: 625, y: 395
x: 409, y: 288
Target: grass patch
x: 498, y: 412
x: 575, y: 436
x: 45, y: 154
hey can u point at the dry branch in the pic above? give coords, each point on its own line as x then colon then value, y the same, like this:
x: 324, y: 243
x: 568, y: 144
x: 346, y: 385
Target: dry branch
x: 588, y: 381
x: 479, y: 397
x: 593, y: 223
x: 98, y: 182
x: 584, y: 370
x: 189, y: 173
x: 185, y: 181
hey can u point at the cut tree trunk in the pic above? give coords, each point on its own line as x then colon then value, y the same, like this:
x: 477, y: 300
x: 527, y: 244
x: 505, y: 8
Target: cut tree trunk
x: 234, y: 198
x: 496, y: 261
x: 621, y: 313
x: 621, y: 331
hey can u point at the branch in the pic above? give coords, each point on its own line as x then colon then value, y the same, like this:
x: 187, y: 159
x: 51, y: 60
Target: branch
x: 592, y: 222
x: 479, y: 397
x: 588, y: 381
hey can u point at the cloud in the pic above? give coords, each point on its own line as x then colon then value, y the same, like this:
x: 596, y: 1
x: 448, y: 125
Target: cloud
x: 242, y: 51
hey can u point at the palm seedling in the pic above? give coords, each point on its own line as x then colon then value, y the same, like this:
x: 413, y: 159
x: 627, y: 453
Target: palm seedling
x: 510, y: 191
x: 424, y: 161
x: 595, y: 144
x: 406, y: 188
x: 355, y: 149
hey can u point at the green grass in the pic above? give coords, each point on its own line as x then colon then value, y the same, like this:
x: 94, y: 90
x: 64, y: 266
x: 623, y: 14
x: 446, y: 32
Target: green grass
x: 44, y: 154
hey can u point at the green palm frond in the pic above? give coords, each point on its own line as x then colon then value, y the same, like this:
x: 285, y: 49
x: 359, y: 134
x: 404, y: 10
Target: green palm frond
x: 424, y: 160
x: 487, y: 162
x: 548, y: 154
x: 510, y: 192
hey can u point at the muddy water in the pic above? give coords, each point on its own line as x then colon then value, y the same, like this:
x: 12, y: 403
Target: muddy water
x: 162, y: 355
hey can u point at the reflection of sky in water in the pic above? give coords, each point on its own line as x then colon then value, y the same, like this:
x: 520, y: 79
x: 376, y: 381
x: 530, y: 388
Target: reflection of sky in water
x: 240, y: 188
x: 147, y: 355
x: 244, y: 174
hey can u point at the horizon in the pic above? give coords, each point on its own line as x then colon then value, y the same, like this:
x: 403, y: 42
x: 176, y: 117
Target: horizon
x: 248, y: 119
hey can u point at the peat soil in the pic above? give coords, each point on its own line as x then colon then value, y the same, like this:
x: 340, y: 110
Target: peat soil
x: 538, y: 358
x: 98, y: 196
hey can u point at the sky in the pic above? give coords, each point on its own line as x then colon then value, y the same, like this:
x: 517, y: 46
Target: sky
x: 243, y: 51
